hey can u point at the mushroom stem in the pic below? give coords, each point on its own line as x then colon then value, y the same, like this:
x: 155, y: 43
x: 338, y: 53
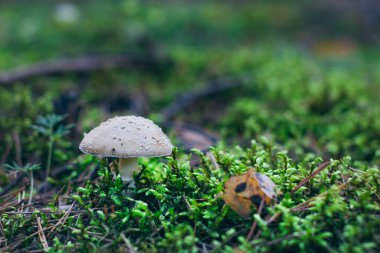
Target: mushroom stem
x: 126, y: 168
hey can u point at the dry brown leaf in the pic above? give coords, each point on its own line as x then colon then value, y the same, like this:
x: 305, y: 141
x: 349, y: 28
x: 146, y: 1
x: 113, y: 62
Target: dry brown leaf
x: 243, y: 191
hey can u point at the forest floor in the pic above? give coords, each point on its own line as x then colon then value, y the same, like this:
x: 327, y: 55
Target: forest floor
x: 284, y: 92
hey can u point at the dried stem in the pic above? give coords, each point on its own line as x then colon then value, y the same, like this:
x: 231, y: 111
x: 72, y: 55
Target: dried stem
x: 254, y: 224
x: 127, y: 243
x: 312, y: 175
x: 63, y: 219
x: 41, y: 234
x: 31, y: 187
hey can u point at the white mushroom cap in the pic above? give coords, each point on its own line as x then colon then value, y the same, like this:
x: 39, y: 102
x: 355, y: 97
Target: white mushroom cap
x: 125, y: 137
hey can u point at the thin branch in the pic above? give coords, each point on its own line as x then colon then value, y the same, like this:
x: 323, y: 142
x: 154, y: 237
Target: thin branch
x: 273, y: 218
x: 257, y: 235
x: 254, y: 224
x: 58, y: 212
x: 278, y: 240
x: 12, y: 204
x: 127, y: 243
x: 79, y: 65
x: 312, y: 175
x: 12, y: 194
x: 21, y: 241
x: 41, y: 234
x: 63, y: 218
x: 301, y: 206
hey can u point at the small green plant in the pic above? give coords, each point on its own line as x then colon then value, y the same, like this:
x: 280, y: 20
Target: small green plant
x: 51, y: 127
x: 27, y: 168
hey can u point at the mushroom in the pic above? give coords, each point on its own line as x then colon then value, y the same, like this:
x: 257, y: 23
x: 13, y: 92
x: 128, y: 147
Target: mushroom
x: 127, y: 138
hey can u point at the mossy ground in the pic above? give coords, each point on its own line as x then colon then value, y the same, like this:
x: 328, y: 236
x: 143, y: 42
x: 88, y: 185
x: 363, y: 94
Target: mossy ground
x: 174, y: 207
x: 292, y: 104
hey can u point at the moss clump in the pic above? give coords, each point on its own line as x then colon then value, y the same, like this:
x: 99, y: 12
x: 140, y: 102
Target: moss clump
x: 174, y: 208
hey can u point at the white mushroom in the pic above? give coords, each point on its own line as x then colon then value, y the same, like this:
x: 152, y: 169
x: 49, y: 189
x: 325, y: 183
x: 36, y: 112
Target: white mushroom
x: 127, y: 138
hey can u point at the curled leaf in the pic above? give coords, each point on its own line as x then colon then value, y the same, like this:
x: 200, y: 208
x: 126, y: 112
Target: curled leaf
x: 243, y: 191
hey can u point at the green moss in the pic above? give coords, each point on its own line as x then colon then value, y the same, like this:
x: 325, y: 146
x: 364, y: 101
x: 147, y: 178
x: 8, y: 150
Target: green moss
x: 174, y: 207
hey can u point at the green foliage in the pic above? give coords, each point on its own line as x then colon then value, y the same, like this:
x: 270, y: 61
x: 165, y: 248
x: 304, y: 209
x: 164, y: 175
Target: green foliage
x: 51, y: 128
x: 294, y: 104
x: 25, y: 168
x: 19, y: 107
x: 174, y: 207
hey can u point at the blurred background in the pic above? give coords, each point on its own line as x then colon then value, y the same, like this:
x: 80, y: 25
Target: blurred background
x: 302, y: 74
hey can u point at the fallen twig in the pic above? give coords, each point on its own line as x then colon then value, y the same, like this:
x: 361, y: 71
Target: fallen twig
x: 254, y: 224
x: 12, y: 194
x: 79, y: 64
x: 58, y: 212
x: 312, y: 175
x: 127, y: 243
x: 278, y: 240
x: 21, y: 241
x: 12, y: 204
x: 309, y: 203
x: 300, y: 207
x: 41, y: 234
x: 63, y: 218
x: 14, y: 183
